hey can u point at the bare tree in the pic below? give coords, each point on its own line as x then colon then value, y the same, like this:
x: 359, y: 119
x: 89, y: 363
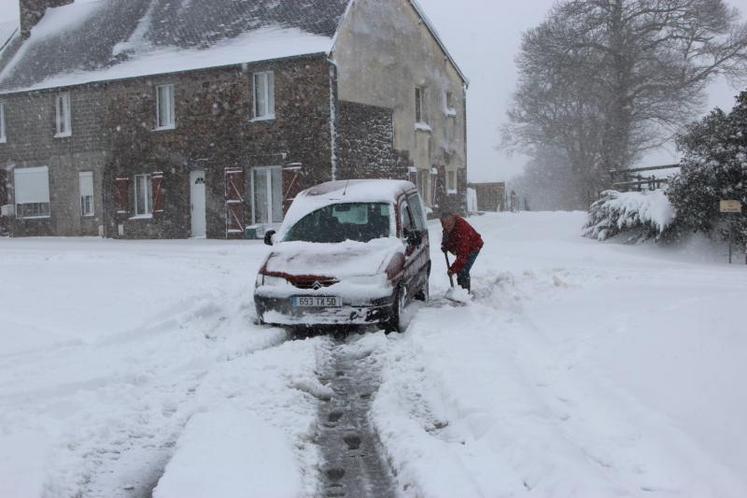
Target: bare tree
x: 606, y: 80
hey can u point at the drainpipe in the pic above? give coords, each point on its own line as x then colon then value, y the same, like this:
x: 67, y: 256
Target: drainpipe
x: 333, y: 117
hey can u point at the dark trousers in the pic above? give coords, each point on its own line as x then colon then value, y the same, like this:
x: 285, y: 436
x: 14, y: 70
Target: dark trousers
x: 463, y: 278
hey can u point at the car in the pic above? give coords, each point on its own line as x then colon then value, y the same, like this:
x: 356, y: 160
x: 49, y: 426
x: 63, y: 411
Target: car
x: 353, y: 252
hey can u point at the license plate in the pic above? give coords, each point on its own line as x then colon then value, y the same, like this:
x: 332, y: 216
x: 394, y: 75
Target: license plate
x: 317, y: 302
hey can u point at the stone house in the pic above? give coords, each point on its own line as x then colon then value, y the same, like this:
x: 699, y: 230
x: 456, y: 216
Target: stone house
x: 175, y: 119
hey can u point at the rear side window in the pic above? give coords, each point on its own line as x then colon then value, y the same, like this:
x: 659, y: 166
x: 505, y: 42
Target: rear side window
x: 416, y: 207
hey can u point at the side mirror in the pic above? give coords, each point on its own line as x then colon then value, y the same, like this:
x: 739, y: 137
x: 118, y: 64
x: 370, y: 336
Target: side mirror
x: 268, y: 237
x: 414, y: 238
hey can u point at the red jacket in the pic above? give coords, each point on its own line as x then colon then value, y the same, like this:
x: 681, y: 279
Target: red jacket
x: 463, y: 241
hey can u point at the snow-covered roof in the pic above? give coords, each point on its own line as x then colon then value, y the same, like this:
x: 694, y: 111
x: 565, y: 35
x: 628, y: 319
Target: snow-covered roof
x: 112, y: 39
x: 7, y: 31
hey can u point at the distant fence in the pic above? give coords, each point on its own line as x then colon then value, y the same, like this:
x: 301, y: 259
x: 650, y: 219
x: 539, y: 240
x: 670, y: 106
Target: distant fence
x: 638, y: 179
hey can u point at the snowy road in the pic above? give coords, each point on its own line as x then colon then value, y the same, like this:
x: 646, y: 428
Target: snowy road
x: 581, y: 369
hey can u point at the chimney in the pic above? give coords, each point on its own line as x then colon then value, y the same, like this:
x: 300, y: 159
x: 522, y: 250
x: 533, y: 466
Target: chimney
x: 33, y: 10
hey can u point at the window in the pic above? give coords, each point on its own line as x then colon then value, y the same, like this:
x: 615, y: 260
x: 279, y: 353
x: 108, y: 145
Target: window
x: 419, y: 105
x: 165, y: 115
x: 424, y: 176
x: 85, y: 181
x: 451, y: 182
x: 64, y: 126
x: 335, y: 223
x: 143, y: 196
x: 32, y: 192
x: 416, y: 208
x: 449, y: 101
x: 267, y: 198
x: 264, y: 95
x: 2, y: 123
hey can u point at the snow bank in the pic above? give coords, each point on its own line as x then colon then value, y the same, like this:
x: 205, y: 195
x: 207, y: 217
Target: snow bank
x: 231, y: 454
x: 580, y: 369
x: 616, y: 212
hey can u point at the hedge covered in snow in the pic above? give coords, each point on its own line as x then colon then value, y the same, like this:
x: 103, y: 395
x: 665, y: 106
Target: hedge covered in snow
x: 648, y: 213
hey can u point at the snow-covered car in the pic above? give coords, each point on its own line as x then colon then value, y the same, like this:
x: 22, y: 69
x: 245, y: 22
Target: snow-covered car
x: 350, y: 252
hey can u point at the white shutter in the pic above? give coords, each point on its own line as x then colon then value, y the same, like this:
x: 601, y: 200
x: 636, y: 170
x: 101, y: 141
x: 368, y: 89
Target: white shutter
x: 31, y: 185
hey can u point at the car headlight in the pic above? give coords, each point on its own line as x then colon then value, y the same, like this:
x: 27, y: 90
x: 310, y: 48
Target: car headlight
x: 270, y: 281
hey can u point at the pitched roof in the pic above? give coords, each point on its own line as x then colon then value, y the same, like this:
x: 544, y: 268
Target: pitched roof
x: 111, y: 39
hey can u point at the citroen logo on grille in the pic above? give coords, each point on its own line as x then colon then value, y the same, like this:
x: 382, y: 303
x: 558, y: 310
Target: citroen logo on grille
x: 316, y: 285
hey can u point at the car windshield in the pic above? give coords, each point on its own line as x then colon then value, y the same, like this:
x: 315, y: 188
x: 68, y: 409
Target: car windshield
x: 340, y: 222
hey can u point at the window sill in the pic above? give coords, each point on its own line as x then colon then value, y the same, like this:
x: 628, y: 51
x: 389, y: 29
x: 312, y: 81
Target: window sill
x: 63, y: 135
x: 452, y: 192
x: 141, y: 217
x: 36, y: 217
x: 263, y: 118
x: 451, y: 113
x: 165, y: 128
x: 424, y: 127
x: 3, y: 140
x: 87, y: 216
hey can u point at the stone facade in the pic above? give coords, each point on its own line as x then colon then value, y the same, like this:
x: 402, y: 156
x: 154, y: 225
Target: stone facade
x: 337, y: 116
x: 366, y: 143
x: 385, y: 51
x: 214, y: 131
x: 31, y: 142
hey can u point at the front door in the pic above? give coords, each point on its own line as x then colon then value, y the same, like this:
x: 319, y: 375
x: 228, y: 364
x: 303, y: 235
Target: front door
x: 197, y: 204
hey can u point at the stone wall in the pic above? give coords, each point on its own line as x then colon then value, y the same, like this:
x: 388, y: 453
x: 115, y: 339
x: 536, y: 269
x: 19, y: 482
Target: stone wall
x: 113, y: 135
x: 31, y: 142
x: 366, y: 143
x: 214, y: 131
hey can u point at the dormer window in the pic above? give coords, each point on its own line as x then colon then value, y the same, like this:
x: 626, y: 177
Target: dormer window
x: 165, y: 115
x: 2, y: 123
x: 63, y: 121
x: 264, y: 95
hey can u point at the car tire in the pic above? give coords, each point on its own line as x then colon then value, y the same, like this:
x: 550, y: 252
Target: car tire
x: 393, y: 324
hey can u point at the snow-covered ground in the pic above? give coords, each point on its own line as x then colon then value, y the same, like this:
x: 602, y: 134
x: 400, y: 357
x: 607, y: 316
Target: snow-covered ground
x: 581, y: 369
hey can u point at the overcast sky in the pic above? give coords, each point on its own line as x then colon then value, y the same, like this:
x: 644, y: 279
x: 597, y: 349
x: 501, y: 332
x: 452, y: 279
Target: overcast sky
x: 484, y: 36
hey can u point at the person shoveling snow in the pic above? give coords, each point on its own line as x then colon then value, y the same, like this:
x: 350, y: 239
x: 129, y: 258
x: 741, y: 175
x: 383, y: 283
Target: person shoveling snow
x: 462, y: 240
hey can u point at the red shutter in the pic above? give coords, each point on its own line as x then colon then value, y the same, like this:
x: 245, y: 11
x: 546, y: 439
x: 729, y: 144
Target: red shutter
x: 291, y: 185
x: 122, y: 195
x: 234, y: 202
x: 159, y: 193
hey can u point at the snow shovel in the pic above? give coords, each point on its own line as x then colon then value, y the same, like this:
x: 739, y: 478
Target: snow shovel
x: 450, y: 296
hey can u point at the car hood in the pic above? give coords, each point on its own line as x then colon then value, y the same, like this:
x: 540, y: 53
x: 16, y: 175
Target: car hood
x: 338, y: 260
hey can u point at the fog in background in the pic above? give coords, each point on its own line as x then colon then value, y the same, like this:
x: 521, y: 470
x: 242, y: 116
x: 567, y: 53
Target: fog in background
x: 484, y: 36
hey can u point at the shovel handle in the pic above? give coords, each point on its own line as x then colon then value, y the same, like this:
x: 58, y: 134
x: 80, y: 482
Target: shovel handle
x: 448, y: 265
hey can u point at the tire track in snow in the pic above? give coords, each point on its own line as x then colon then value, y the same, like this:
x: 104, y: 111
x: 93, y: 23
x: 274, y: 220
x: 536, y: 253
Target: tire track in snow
x: 353, y: 465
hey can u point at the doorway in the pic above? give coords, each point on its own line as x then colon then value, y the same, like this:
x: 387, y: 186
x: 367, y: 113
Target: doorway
x: 197, y: 204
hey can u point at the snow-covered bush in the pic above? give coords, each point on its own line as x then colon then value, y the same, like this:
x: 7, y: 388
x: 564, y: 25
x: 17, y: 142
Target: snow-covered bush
x: 646, y: 214
x: 713, y: 169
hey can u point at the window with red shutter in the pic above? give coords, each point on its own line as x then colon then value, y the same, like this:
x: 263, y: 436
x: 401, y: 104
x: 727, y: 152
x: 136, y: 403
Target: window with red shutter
x: 159, y: 193
x: 122, y: 195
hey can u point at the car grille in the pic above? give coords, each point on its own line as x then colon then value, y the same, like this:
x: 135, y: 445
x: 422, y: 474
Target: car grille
x: 313, y: 284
